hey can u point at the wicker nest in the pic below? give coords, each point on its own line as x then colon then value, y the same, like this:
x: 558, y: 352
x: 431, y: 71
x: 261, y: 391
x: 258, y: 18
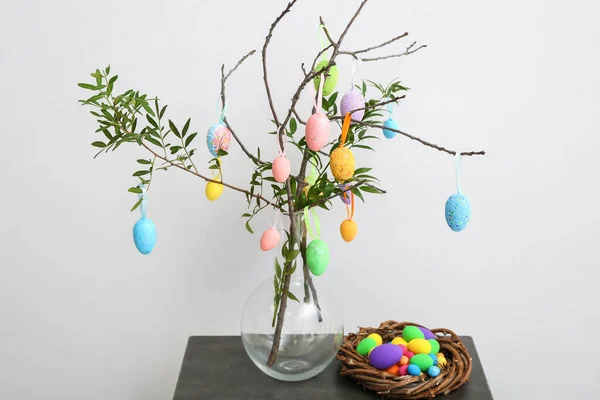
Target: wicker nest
x: 453, y: 375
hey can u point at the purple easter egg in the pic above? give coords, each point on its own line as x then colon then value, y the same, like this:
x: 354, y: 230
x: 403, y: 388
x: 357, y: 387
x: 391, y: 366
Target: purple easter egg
x: 384, y: 356
x: 346, y: 195
x: 352, y: 101
x: 428, y: 334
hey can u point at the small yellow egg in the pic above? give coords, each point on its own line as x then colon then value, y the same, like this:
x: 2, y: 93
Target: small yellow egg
x: 348, y: 229
x: 342, y: 164
x: 399, y: 340
x: 442, y: 361
x: 419, y: 346
x: 213, y: 190
x: 377, y: 338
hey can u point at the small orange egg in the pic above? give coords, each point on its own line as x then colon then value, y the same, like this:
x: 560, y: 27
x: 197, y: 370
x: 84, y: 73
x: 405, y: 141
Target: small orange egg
x: 348, y: 229
x: 404, y: 360
x: 393, y: 369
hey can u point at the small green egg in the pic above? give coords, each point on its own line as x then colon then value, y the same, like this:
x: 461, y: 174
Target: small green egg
x: 317, y: 257
x: 411, y: 332
x: 330, y: 81
x: 435, y: 346
x: 423, y: 361
x: 365, y: 346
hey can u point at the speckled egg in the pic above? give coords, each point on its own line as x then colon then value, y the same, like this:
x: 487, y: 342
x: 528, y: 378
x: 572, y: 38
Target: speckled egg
x: 218, y: 137
x: 330, y: 81
x: 342, y: 164
x: 352, y: 101
x: 317, y: 131
x: 144, y: 235
x: 458, y: 212
x: 281, y: 168
x: 390, y: 123
x: 435, y: 346
x: 317, y: 257
x: 419, y: 346
x: 384, y: 356
x: 411, y: 332
x: 428, y: 334
x: 269, y: 239
x: 423, y: 361
x: 365, y: 346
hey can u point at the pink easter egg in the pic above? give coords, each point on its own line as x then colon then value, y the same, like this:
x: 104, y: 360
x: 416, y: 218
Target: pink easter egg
x: 352, y: 101
x: 269, y: 239
x: 281, y: 168
x: 404, y: 349
x: 403, y: 370
x: 409, y: 354
x: 317, y: 131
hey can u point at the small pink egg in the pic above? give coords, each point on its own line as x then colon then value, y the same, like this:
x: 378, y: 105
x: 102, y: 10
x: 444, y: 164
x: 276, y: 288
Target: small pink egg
x: 281, y: 168
x: 317, y: 131
x: 269, y: 239
x: 404, y: 349
x: 409, y: 354
x: 403, y: 370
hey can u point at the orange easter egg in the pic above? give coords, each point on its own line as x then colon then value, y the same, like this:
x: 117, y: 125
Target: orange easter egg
x: 348, y: 229
x: 342, y: 164
x: 269, y: 239
x: 393, y: 369
x: 281, y: 168
x: 404, y: 360
x: 317, y: 131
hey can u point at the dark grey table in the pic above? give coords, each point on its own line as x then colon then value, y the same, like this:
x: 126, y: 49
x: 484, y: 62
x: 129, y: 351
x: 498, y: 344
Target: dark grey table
x: 217, y: 368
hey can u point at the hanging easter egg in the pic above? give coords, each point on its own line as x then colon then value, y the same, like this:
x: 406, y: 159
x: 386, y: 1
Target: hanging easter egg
x: 213, y: 190
x: 342, y: 164
x: 144, y: 235
x: 317, y: 131
x: 458, y: 212
x: 345, y: 196
x: 269, y: 239
x: 218, y: 137
x: 411, y: 332
x: 317, y: 257
x: 384, y: 356
x: 281, y: 168
x: 353, y: 100
x: 387, y: 125
x: 348, y: 229
x: 330, y: 81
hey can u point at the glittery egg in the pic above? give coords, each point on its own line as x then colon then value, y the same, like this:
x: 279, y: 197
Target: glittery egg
x: 435, y: 346
x: 281, y: 168
x: 403, y: 370
x: 218, y: 137
x: 269, y: 239
x: 342, y: 164
x: 377, y: 337
x: 419, y: 346
x: 384, y: 356
x: 365, y: 346
x: 423, y: 361
x: 144, y: 235
x: 458, y: 212
x: 411, y: 332
x: 348, y: 229
x: 213, y: 190
x: 345, y: 196
x: 413, y: 370
x: 317, y: 131
x: 390, y: 123
x: 317, y: 257
x: 433, y: 371
x: 330, y: 81
x: 352, y: 101
x: 428, y: 334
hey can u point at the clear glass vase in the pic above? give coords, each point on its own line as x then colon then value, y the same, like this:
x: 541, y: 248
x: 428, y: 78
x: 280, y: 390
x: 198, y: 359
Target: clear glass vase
x: 311, y: 331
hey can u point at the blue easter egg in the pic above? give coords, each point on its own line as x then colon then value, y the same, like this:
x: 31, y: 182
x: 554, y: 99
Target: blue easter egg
x: 218, y: 137
x: 144, y: 235
x: 458, y: 212
x: 433, y: 371
x: 414, y: 370
x: 390, y: 123
x: 434, y: 358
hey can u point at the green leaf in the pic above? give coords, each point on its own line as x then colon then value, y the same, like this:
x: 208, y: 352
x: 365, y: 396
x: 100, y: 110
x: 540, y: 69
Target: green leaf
x: 245, y: 215
x: 278, y: 272
x: 162, y: 112
x: 175, y: 149
x: 141, y: 173
x: 248, y: 227
x: 291, y: 255
x: 99, y: 144
x: 88, y: 86
x: 107, y: 70
x: 190, y: 138
x: 152, y: 121
x: 174, y: 129
x: 369, y: 189
x: 142, y: 161
x: 113, y: 79
x: 290, y: 295
x: 147, y: 108
x: 185, y: 128
x: 106, y: 133
x: 361, y: 171
x: 136, y: 190
x: 328, y: 189
x: 364, y: 88
x: 293, y: 126
x: 358, y: 194
x: 153, y: 141
x: 222, y: 153
x: 137, y: 204
x: 363, y: 146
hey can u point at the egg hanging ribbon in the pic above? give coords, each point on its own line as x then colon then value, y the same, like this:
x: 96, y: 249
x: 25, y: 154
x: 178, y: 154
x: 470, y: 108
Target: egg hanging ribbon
x: 281, y: 165
x: 214, y: 190
x: 353, y: 100
x: 317, y: 252
x: 316, y: 131
x: 144, y: 231
x: 458, y: 206
x: 332, y: 74
x: 218, y: 136
x: 390, y: 123
x: 270, y: 238
x: 342, y: 159
x: 348, y: 228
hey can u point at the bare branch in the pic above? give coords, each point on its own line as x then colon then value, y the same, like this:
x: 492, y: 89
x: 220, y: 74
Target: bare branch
x: 298, y: 117
x: 392, y: 40
x: 409, y: 50
x: 381, y: 103
x: 251, y: 52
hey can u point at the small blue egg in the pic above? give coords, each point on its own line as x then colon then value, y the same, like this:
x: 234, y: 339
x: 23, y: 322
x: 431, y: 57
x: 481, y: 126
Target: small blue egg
x: 458, y: 212
x: 144, y: 235
x: 433, y: 371
x: 414, y: 370
x: 434, y: 358
x: 390, y: 123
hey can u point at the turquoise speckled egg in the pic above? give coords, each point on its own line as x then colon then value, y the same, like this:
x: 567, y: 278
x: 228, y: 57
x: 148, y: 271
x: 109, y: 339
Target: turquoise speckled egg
x: 144, y: 235
x: 317, y: 257
x: 390, y: 123
x: 458, y: 212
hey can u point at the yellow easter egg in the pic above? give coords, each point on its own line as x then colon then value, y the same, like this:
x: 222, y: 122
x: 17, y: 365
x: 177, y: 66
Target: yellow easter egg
x: 377, y: 338
x: 213, y: 190
x: 419, y: 346
x: 442, y: 361
x: 399, y: 340
x: 342, y: 164
x: 348, y: 229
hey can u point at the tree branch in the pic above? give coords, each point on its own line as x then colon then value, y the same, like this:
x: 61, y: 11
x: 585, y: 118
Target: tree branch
x: 354, y: 53
x: 409, y: 50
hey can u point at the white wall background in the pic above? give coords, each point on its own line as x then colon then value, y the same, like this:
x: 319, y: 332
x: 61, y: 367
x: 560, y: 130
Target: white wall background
x: 82, y: 315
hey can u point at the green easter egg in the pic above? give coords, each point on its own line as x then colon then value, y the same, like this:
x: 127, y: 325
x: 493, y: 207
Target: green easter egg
x: 317, y: 257
x: 423, y: 361
x: 435, y: 346
x: 365, y: 346
x: 330, y: 81
x: 411, y: 332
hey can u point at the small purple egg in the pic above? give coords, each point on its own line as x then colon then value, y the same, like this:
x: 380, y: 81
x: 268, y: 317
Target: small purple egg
x: 346, y: 195
x: 353, y: 100
x: 428, y: 334
x: 384, y: 356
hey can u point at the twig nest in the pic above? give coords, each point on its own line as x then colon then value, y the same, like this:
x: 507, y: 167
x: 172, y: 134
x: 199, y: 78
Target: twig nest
x: 218, y: 137
x: 144, y: 235
x: 330, y: 81
x: 213, y: 190
x: 281, y: 168
x: 317, y: 131
x: 269, y: 239
x: 342, y: 164
x: 458, y: 212
x: 387, y: 125
x: 317, y: 257
x: 352, y: 101
x: 348, y: 229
